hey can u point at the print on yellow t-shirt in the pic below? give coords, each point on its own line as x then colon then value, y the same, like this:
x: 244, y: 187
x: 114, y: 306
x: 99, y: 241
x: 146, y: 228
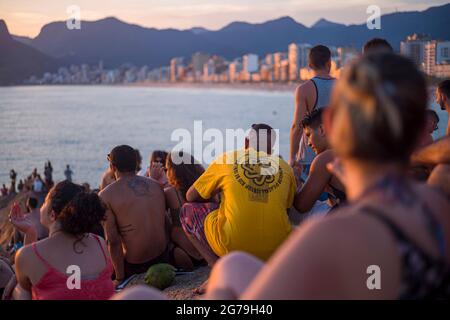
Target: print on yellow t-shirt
x: 255, y: 194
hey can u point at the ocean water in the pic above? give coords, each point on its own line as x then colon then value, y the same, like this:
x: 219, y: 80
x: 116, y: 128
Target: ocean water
x: 79, y: 125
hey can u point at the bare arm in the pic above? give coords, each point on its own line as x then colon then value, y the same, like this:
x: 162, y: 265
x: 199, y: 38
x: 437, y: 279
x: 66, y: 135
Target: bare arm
x: 193, y: 196
x: 22, y: 291
x: 317, y: 181
x: 435, y: 153
x: 296, y: 128
x: 114, y: 242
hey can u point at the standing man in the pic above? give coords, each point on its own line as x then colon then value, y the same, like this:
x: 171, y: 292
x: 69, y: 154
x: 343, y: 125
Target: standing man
x: 68, y: 173
x: 311, y: 95
x: 13, y: 176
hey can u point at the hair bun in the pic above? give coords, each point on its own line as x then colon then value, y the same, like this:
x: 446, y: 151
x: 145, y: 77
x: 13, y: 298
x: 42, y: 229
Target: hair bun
x: 82, y: 214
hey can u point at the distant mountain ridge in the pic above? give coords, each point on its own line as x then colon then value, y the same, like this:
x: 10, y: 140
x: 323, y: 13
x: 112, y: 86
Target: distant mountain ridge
x: 116, y: 42
x: 324, y: 23
x: 19, y: 61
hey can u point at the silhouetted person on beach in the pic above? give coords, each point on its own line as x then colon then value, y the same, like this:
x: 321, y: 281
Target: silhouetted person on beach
x: 13, y: 176
x: 38, y: 184
x: 20, y: 186
x: 68, y: 173
x: 4, y: 190
x: 48, y: 174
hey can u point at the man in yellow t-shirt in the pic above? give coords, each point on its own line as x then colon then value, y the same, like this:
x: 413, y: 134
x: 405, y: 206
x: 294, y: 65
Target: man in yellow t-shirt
x: 256, y: 190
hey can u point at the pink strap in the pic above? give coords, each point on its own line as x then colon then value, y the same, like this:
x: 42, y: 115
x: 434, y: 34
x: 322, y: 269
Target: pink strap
x: 48, y: 265
x: 101, y: 247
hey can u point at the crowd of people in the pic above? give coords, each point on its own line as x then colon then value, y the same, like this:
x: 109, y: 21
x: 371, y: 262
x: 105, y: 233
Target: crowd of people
x: 360, y: 144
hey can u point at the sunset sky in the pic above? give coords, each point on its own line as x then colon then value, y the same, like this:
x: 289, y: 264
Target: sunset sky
x: 26, y: 17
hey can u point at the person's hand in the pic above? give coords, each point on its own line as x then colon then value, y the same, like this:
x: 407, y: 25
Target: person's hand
x: 19, y: 220
x: 156, y: 171
x: 335, y: 167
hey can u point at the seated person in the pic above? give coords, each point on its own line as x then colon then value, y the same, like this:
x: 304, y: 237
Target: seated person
x: 108, y: 176
x: 319, y: 179
x: 257, y: 188
x: 181, y: 177
x: 42, y: 267
x: 135, y: 227
x: 34, y: 214
x: 431, y: 125
x: 157, y: 168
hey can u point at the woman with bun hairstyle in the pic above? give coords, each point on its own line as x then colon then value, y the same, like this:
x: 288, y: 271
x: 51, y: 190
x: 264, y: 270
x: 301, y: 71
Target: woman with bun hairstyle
x: 71, y: 264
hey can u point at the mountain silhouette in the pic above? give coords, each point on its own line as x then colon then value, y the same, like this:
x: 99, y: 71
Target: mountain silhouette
x: 116, y: 42
x: 19, y: 61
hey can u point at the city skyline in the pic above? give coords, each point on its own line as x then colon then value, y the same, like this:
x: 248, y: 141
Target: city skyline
x: 27, y: 19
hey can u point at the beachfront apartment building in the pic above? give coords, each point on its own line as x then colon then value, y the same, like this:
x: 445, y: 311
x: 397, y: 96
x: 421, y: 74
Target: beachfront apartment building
x: 432, y: 56
x: 234, y: 70
x: 298, y: 59
x: 414, y: 48
x: 437, y: 59
x: 176, y: 69
x: 278, y: 57
x: 250, y: 66
x: 198, y: 60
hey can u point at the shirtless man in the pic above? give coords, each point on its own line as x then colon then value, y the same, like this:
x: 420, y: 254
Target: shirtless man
x: 320, y: 179
x: 313, y: 94
x: 135, y: 227
x: 108, y: 176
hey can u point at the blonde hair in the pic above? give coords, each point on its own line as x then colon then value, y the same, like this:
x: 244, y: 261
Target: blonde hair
x: 378, y: 108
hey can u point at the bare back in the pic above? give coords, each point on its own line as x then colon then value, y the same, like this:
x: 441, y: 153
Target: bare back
x: 138, y: 205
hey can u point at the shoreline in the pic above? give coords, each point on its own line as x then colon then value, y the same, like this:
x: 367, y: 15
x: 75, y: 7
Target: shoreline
x: 263, y: 86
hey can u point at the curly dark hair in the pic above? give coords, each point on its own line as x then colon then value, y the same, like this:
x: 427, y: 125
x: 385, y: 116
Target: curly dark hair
x: 182, y: 176
x: 77, y: 211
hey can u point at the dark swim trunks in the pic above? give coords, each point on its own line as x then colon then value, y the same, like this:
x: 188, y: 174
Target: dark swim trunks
x: 133, y: 268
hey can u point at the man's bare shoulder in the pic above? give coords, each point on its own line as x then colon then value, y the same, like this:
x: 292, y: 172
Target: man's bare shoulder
x: 322, y: 159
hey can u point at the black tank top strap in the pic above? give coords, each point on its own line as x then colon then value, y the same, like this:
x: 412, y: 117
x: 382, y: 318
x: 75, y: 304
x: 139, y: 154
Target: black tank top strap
x: 398, y: 233
x: 337, y: 194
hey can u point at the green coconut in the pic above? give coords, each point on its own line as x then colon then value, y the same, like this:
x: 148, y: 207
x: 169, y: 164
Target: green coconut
x: 160, y: 275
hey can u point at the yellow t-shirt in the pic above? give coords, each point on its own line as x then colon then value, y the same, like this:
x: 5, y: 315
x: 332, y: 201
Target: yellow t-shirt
x: 252, y: 216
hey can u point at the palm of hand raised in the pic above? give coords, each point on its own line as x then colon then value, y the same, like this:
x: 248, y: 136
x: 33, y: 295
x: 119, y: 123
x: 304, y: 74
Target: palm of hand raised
x: 19, y: 220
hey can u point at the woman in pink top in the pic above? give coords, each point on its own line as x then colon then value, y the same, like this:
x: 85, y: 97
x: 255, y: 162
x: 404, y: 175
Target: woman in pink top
x: 71, y: 264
